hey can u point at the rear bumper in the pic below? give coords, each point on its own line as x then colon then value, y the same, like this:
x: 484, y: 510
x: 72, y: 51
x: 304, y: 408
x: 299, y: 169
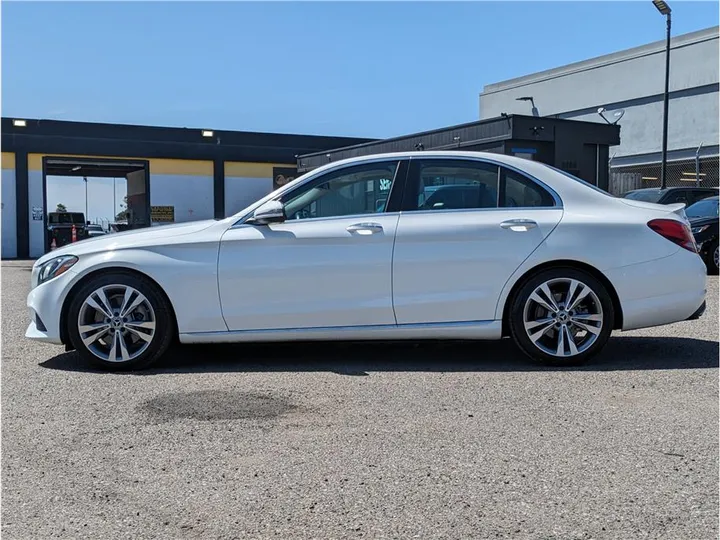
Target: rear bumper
x: 664, y: 291
x: 699, y: 313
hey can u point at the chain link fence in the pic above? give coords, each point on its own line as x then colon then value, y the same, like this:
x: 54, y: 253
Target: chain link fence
x: 679, y: 173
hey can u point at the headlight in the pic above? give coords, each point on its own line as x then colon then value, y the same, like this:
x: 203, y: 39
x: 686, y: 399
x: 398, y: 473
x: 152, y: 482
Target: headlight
x: 700, y: 229
x: 55, y: 267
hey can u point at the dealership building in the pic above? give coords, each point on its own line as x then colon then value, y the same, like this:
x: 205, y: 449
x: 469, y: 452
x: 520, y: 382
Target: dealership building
x: 630, y: 85
x: 179, y: 174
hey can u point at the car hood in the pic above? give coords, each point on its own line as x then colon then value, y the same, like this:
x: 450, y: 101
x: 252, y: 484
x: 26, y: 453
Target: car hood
x: 136, y: 238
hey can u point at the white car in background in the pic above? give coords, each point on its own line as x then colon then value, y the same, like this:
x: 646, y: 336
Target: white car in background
x: 466, y: 246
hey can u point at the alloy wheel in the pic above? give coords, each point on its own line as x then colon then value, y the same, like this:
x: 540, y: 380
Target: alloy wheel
x: 715, y: 256
x: 116, y: 323
x: 563, y: 317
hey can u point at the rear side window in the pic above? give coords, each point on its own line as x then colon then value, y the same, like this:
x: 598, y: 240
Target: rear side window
x: 517, y: 190
x: 456, y: 185
x: 676, y: 197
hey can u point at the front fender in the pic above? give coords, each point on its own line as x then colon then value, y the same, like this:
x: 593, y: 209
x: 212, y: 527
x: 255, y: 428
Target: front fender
x: 187, y: 275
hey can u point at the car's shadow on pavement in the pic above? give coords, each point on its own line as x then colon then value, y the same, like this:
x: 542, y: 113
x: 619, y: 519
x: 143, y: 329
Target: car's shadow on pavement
x: 359, y: 359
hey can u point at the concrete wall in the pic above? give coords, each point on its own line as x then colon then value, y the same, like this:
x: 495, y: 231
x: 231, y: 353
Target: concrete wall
x: 632, y: 80
x: 245, y: 183
x: 8, y: 209
x: 185, y: 184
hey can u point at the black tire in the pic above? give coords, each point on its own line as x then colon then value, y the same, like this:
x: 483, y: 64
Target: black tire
x: 165, y: 327
x: 517, y: 312
x: 710, y: 259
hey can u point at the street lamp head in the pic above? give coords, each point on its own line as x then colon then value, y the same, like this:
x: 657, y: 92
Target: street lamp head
x: 662, y: 6
x: 524, y: 98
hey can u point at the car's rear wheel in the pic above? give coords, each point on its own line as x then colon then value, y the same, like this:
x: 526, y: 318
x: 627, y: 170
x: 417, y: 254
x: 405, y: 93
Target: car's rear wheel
x: 120, y: 321
x: 561, y: 316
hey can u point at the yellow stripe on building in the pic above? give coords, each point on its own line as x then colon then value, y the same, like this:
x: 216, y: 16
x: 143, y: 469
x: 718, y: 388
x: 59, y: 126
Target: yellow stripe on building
x: 252, y: 170
x: 8, y: 160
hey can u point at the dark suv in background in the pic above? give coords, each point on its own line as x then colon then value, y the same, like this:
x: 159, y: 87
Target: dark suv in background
x: 703, y: 216
x: 688, y: 195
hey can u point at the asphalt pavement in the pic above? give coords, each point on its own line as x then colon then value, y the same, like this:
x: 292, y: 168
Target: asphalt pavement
x: 451, y: 441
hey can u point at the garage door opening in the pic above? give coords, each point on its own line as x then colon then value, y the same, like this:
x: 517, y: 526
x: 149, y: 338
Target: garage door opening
x: 95, y: 197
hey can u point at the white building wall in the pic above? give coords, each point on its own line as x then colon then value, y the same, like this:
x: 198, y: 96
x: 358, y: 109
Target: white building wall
x: 192, y: 196
x: 9, y: 214
x: 241, y: 192
x: 36, y: 200
x: 632, y: 80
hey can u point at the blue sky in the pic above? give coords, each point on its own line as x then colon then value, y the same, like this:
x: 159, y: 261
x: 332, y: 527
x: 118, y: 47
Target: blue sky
x: 366, y: 69
x: 374, y: 69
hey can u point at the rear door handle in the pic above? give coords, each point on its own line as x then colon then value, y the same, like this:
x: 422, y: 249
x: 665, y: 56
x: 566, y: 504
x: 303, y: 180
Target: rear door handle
x: 519, y: 225
x: 365, y: 228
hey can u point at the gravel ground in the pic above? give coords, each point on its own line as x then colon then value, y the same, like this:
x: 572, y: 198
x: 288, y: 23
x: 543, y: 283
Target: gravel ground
x: 350, y: 441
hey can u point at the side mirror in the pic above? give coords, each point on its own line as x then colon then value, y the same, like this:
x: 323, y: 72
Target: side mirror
x: 270, y: 212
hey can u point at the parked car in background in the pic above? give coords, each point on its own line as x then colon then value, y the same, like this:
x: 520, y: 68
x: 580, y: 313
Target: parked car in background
x: 704, y: 218
x: 95, y: 230
x: 60, y: 225
x: 120, y: 226
x: 550, y: 261
x: 688, y: 195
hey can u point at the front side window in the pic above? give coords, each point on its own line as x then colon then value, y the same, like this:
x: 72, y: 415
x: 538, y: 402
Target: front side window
x: 357, y: 190
x: 456, y: 185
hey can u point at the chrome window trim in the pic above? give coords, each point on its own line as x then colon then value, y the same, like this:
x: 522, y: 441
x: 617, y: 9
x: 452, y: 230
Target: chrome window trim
x: 471, y: 210
x: 331, y: 218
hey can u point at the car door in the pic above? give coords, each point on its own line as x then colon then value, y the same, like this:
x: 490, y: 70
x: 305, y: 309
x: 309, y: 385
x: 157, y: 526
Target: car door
x: 327, y: 265
x: 466, y: 226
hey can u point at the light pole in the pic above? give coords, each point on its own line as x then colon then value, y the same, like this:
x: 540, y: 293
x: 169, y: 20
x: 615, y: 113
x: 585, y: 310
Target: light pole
x: 664, y: 9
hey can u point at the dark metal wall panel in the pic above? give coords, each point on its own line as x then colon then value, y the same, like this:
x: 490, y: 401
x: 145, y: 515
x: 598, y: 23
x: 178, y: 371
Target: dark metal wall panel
x: 521, y: 129
x: 22, y: 202
x: 49, y: 132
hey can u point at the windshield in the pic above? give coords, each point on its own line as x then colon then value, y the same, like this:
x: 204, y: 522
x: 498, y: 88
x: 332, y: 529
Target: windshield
x: 706, y: 208
x: 649, y: 195
x: 56, y: 218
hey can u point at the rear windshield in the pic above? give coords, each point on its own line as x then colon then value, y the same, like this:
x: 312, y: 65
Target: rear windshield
x: 66, y: 218
x: 651, y: 195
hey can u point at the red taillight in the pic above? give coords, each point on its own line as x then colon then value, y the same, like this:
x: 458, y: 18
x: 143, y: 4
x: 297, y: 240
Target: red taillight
x: 675, y: 231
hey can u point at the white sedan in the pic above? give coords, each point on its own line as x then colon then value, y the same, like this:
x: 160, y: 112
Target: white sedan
x: 417, y: 245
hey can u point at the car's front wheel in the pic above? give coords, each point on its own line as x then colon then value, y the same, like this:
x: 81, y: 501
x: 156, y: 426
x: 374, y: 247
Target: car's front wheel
x: 561, y: 316
x: 120, y: 321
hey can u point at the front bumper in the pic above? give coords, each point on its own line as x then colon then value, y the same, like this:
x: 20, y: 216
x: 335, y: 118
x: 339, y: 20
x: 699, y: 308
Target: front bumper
x: 44, y: 304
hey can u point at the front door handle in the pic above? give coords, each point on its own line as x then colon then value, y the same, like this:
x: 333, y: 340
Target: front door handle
x: 365, y: 228
x: 519, y: 225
